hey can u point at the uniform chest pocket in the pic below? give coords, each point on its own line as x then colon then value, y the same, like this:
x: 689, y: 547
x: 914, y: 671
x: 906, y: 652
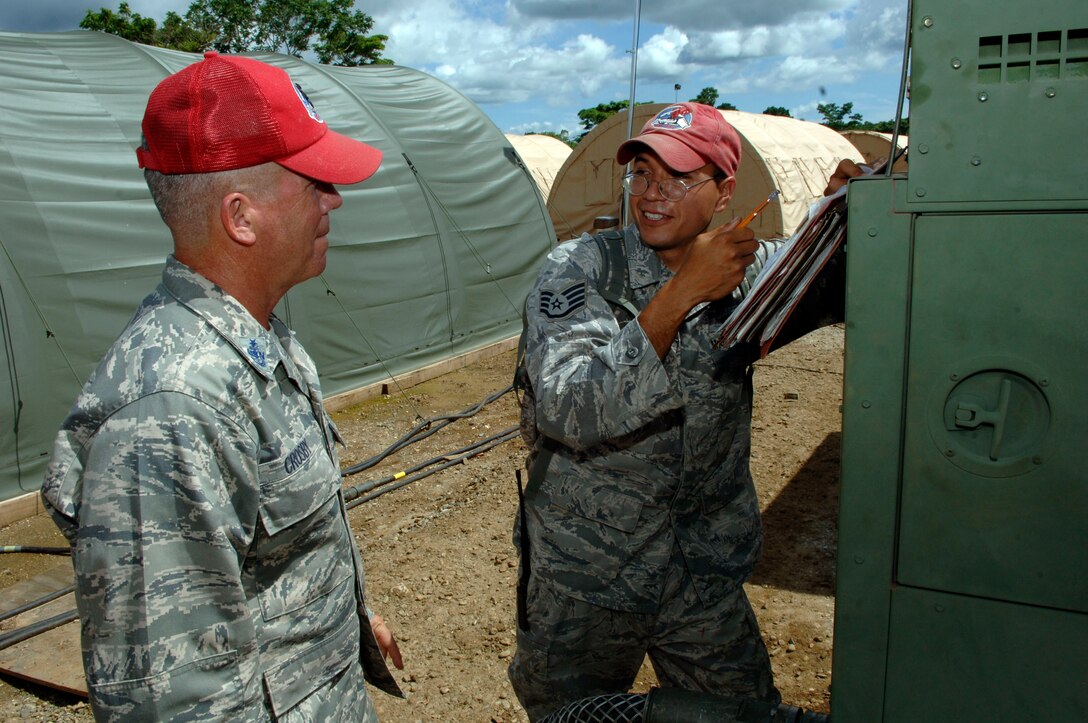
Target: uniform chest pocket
x: 304, y: 551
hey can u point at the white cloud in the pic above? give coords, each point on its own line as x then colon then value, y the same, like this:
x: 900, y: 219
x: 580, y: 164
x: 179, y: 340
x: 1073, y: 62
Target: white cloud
x: 659, y: 57
x: 498, y: 63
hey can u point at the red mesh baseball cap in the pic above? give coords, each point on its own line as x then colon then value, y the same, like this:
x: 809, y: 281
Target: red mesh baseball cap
x: 227, y: 112
x: 687, y: 136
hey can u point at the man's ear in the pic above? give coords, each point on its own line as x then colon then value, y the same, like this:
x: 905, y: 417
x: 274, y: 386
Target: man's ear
x: 238, y: 214
x: 725, y: 193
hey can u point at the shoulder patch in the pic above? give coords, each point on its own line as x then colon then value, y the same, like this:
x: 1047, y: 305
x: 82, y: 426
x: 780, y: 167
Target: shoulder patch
x: 561, y: 304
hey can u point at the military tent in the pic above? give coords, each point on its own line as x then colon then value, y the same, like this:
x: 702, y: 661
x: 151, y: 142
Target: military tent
x: 794, y: 156
x: 429, y: 259
x: 874, y: 147
x: 543, y: 155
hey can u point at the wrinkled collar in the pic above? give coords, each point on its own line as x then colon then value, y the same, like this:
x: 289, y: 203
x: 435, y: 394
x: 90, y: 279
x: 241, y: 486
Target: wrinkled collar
x: 257, y: 345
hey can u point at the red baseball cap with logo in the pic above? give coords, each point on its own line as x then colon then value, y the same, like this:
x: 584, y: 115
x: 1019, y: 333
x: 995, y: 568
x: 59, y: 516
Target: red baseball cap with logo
x: 687, y: 136
x: 228, y: 112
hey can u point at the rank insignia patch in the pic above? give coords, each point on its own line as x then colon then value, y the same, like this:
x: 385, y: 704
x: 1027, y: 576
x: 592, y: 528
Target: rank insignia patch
x: 561, y: 304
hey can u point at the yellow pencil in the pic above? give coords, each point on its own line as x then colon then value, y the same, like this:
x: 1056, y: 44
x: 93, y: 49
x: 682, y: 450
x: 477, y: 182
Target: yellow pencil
x: 748, y: 219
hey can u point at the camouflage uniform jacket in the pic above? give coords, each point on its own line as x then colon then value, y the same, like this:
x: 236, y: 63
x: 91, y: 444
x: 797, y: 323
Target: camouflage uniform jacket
x: 198, y: 483
x: 645, y: 453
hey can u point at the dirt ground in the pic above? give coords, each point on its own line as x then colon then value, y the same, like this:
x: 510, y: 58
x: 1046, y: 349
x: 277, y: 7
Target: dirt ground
x: 442, y: 570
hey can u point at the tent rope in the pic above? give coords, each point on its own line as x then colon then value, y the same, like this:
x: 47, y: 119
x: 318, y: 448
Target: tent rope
x: 381, y: 361
x: 438, y: 235
x: 484, y: 264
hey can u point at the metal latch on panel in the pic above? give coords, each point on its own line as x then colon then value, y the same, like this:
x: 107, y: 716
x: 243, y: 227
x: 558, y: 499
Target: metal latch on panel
x: 993, y: 422
x: 969, y: 415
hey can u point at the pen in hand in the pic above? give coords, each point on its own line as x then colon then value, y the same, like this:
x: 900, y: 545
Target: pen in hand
x: 748, y: 219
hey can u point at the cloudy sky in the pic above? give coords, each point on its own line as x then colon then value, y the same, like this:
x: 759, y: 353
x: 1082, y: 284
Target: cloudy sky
x: 532, y: 64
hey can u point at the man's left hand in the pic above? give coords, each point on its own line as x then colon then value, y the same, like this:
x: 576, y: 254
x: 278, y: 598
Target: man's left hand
x: 386, y: 641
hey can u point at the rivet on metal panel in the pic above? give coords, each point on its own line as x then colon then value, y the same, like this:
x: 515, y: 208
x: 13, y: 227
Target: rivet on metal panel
x: 976, y: 161
x: 927, y: 21
x: 953, y: 376
x: 939, y: 608
x: 923, y: 148
x: 983, y: 96
x: 956, y: 63
x: 866, y: 404
x: 872, y: 232
x: 950, y: 453
x: 859, y: 559
x: 1043, y: 382
x: 1050, y: 92
x: 1037, y: 460
x: 921, y: 192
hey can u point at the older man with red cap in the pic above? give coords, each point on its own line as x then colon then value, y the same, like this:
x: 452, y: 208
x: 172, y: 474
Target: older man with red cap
x: 197, y: 476
x: 639, y: 522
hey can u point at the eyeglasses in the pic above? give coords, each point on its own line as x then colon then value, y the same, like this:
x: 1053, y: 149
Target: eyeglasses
x: 672, y: 189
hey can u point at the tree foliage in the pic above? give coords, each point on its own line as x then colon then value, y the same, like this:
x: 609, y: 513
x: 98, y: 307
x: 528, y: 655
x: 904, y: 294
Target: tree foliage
x: 332, y: 29
x: 707, y: 96
x: 839, y: 117
x: 590, y: 117
x: 777, y: 110
x: 726, y: 106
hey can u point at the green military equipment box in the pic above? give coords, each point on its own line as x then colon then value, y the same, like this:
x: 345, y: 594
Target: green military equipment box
x: 962, y: 583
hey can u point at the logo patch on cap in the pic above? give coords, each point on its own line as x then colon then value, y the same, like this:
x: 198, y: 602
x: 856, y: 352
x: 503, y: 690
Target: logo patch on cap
x: 561, y: 304
x: 673, y: 118
x: 307, y: 104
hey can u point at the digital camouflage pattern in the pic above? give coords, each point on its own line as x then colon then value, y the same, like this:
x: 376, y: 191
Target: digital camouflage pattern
x: 647, y: 457
x: 199, y: 485
x: 645, y: 453
x: 575, y: 650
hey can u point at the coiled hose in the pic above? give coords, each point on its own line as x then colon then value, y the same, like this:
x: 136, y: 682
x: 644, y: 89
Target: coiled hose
x: 670, y: 705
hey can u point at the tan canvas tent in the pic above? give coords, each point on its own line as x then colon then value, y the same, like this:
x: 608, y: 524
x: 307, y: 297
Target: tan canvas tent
x: 543, y: 156
x: 874, y: 146
x: 796, y: 157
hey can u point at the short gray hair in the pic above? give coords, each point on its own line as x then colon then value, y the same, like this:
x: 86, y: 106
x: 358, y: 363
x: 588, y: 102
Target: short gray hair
x: 186, y: 199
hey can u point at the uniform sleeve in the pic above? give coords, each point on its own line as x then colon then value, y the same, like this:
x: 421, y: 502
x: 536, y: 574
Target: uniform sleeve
x: 166, y: 511
x: 593, y: 380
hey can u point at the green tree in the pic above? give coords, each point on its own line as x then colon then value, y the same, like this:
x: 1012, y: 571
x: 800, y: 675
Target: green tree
x: 839, y: 117
x: 590, y: 117
x: 777, y: 110
x: 123, y: 23
x: 332, y: 29
x: 707, y: 96
x: 726, y: 106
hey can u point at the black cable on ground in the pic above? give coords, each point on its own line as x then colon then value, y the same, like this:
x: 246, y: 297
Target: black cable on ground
x: 401, y: 479
x: 19, y: 635
x: 36, y: 550
x: 421, y: 431
x: 7, y: 614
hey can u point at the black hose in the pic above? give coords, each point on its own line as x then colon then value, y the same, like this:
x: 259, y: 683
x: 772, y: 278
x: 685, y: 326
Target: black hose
x: 672, y: 705
x: 400, y: 479
x: 421, y: 431
x: 19, y: 635
x: 37, y: 550
x: 7, y: 614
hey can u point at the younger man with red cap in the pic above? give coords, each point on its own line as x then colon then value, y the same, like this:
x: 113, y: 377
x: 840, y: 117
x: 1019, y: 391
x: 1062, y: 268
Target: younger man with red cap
x: 640, y: 520
x: 197, y: 476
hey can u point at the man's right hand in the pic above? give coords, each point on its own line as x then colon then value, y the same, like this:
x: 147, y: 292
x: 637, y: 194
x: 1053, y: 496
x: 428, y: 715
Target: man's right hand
x: 716, y: 260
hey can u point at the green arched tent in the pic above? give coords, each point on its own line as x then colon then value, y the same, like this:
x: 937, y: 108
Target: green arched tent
x: 429, y: 259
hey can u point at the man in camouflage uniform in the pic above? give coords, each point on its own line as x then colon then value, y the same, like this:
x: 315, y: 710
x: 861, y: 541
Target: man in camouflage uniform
x: 197, y: 478
x: 640, y: 518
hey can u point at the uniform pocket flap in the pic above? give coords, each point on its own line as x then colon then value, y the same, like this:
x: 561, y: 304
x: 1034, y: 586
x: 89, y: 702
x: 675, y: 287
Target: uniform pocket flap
x: 291, y: 682
x: 298, y: 483
x: 604, y: 505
